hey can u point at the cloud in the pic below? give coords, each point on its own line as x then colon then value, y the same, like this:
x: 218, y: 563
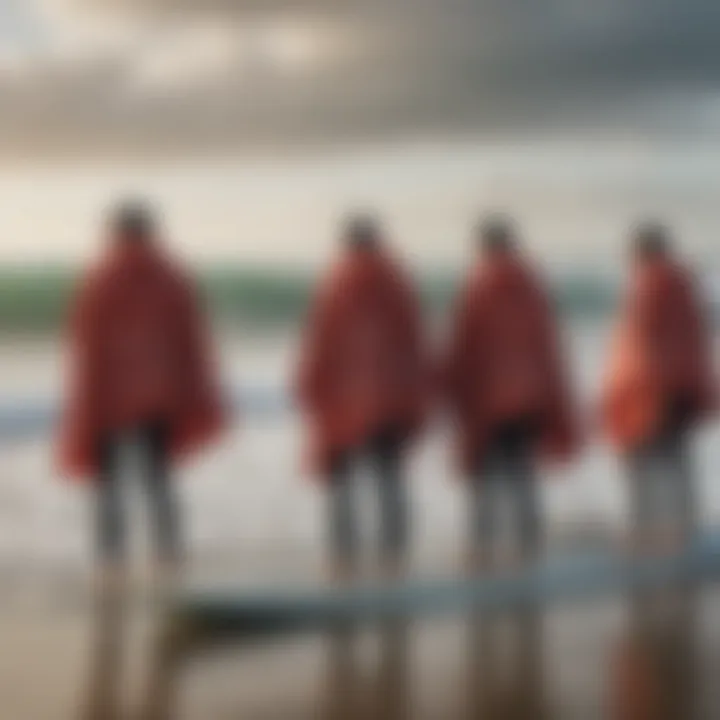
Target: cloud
x: 185, y: 59
x: 183, y: 75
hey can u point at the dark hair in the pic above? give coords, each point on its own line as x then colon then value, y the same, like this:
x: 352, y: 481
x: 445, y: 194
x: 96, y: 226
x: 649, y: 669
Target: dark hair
x: 496, y: 232
x: 651, y: 239
x: 133, y: 220
x: 362, y: 230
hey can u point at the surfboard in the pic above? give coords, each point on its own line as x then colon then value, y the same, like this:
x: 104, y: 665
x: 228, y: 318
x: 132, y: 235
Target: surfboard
x: 263, y: 613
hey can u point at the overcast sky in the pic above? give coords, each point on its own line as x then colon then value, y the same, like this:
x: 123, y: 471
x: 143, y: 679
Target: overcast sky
x: 98, y: 76
x: 577, y: 114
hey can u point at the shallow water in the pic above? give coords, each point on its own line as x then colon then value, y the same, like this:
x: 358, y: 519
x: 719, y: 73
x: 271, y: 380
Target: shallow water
x: 246, y: 504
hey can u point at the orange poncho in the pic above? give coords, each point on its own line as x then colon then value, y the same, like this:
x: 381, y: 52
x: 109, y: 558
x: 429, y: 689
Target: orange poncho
x: 139, y: 352
x: 504, y: 361
x: 361, y: 368
x: 661, y: 353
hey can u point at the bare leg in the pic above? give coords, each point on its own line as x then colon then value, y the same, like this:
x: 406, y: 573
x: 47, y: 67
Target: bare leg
x: 682, y: 486
x: 526, y: 501
x: 162, y: 498
x: 110, y: 526
x: 640, y: 480
x: 342, y: 523
x: 394, y: 515
x: 484, y: 491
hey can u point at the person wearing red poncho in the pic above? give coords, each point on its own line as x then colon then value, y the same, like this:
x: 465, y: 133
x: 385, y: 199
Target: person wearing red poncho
x: 361, y: 386
x: 140, y: 368
x: 660, y: 384
x: 507, y: 388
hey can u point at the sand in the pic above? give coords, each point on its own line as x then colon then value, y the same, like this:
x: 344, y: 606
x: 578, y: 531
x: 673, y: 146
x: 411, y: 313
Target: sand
x: 66, y: 655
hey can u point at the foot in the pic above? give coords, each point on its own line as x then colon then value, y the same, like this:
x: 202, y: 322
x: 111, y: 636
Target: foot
x: 636, y: 546
x: 167, y: 574
x: 393, y: 569
x: 662, y: 542
x: 343, y: 573
x: 510, y: 563
x: 477, y: 562
x: 111, y: 578
x: 669, y: 540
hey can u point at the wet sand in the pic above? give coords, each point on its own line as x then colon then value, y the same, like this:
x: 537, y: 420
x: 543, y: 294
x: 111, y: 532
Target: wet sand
x: 630, y: 658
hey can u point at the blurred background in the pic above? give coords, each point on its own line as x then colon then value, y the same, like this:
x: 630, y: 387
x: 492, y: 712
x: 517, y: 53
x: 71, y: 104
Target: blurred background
x: 253, y: 126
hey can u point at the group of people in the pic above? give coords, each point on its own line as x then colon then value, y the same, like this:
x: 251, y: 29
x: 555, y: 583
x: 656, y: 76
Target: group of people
x: 368, y: 382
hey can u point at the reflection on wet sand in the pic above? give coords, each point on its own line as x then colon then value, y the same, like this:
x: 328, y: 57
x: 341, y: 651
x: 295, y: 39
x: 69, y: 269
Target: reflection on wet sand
x: 159, y: 696
x: 105, y: 698
x: 503, y: 678
x: 104, y: 692
x: 510, y: 667
x: 383, y: 693
x: 505, y: 670
x: 656, y: 671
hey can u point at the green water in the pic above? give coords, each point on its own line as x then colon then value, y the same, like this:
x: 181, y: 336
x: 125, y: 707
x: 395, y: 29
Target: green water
x: 36, y: 299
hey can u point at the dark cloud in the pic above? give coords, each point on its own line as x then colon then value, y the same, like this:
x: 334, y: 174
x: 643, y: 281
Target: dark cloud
x: 444, y: 67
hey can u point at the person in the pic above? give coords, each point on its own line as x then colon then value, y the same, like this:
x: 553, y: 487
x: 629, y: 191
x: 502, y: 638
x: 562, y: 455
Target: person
x: 507, y: 389
x: 659, y: 387
x: 140, y: 369
x: 361, y: 387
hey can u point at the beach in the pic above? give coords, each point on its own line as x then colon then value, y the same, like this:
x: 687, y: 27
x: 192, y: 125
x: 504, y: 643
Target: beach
x: 253, y: 518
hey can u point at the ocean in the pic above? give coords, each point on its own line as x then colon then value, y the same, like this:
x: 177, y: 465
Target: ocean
x: 35, y: 299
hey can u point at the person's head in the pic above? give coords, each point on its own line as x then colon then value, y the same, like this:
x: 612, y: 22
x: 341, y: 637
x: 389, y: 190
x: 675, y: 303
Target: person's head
x: 362, y: 231
x: 132, y: 222
x: 496, y: 234
x: 650, y: 241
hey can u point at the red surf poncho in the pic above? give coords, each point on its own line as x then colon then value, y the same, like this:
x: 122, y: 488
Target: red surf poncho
x: 361, y: 368
x: 139, y: 352
x: 504, y: 361
x: 661, y: 352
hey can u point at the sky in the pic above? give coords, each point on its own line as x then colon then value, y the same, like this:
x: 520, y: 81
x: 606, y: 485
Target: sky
x: 256, y: 123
